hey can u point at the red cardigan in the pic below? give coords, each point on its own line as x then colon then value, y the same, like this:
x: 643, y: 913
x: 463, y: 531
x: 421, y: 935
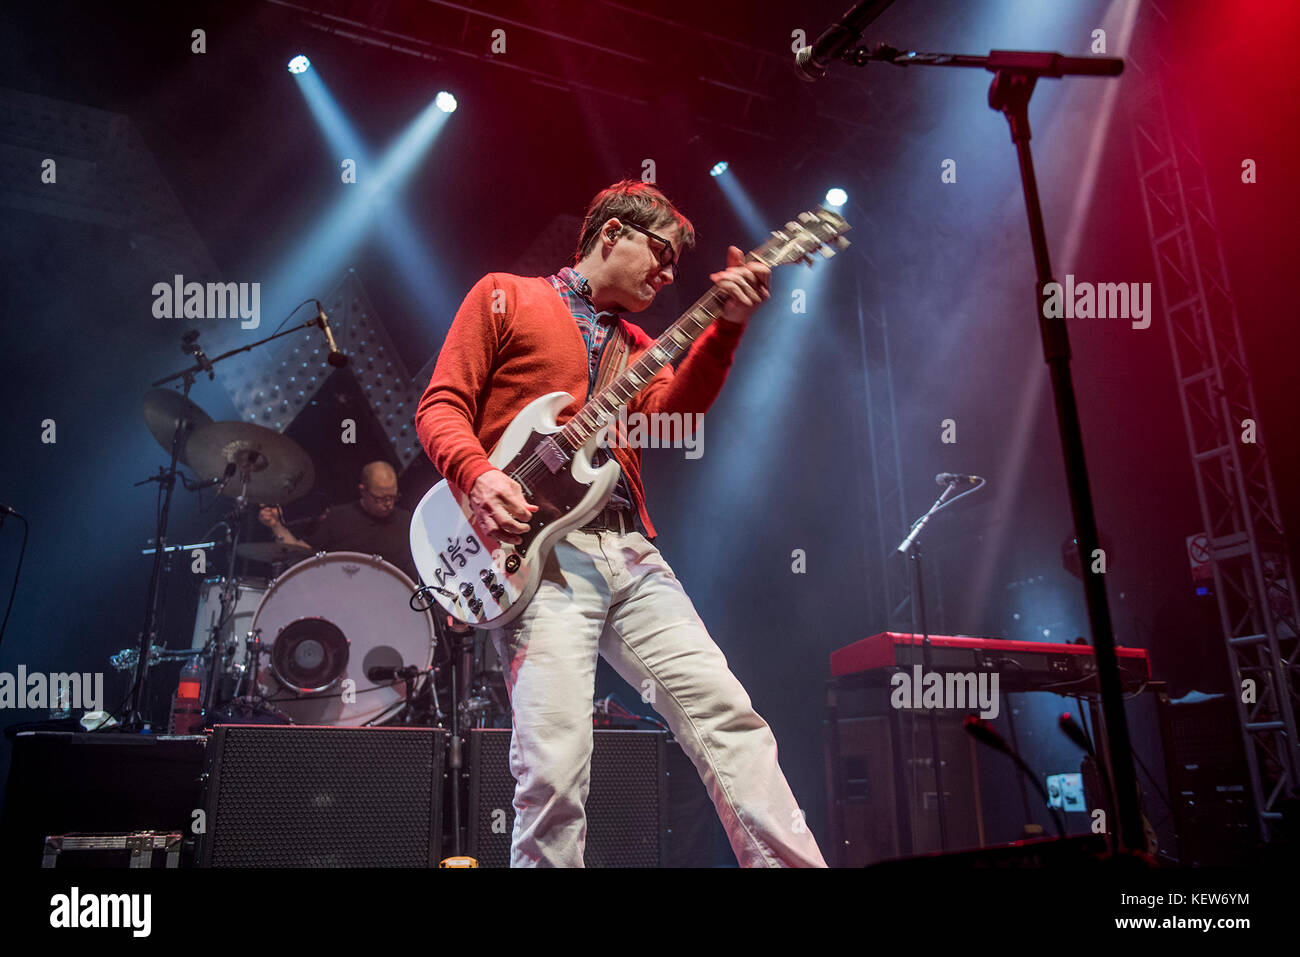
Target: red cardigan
x: 493, y: 363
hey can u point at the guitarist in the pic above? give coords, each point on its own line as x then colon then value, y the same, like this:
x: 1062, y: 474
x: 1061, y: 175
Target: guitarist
x: 605, y: 587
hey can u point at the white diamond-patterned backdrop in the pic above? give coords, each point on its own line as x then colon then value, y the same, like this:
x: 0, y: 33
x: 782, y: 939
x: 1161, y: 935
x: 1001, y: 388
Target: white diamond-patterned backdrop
x: 273, y: 384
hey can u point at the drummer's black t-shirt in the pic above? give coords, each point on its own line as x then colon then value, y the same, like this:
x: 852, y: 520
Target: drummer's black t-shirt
x: 350, y: 528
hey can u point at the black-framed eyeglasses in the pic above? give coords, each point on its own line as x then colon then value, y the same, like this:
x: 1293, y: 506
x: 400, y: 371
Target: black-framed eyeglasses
x: 668, y: 257
x: 383, y: 499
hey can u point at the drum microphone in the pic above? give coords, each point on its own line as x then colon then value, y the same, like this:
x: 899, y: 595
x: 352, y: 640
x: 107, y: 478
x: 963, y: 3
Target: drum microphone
x: 811, y: 61
x: 190, y: 346
x: 380, y: 673
x: 957, y: 478
x: 221, y: 479
x: 336, y: 358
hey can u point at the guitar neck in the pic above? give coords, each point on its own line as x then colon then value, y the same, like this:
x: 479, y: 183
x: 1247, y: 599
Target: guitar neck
x: 604, y: 407
x: 810, y: 232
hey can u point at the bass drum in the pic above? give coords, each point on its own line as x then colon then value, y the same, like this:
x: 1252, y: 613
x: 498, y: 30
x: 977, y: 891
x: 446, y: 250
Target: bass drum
x: 327, y: 621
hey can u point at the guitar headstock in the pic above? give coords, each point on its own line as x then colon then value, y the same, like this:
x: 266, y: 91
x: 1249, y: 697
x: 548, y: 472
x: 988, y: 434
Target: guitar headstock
x: 818, y: 230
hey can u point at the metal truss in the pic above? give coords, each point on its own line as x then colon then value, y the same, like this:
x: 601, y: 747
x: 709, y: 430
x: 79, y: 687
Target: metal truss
x: 1253, y: 579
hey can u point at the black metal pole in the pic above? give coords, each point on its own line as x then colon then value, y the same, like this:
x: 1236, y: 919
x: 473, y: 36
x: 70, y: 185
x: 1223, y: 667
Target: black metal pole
x: 1009, y: 94
x: 1015, y: 74
x: 918, y: 616
x: 137, y: 716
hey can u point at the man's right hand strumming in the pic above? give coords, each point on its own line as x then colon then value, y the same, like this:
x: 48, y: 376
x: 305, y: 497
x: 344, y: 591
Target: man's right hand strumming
x: 499, y: 509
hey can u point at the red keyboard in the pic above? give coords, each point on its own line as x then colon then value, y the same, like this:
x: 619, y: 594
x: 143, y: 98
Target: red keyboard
x: 1021, y: 665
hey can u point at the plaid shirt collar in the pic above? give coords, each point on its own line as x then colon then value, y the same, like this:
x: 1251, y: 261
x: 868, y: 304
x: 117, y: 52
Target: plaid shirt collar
x: 576, y: 290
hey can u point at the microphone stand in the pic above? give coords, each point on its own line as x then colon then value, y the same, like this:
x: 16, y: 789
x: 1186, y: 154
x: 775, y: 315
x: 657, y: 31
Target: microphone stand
x: 218, y: 640
x: 202, y: 364
x: 136, y: 719
x: 911, y: 547
x: 205, y: 365
x: 1015, y: 74
x: 459, y: 648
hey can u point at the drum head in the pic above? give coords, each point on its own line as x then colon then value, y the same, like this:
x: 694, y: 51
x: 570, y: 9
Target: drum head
x: 327, y: 621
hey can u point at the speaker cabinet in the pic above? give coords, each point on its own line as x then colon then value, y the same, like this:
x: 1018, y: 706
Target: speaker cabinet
x: 881, y: 784
x: 1214, y: 812
x: 289, y: 796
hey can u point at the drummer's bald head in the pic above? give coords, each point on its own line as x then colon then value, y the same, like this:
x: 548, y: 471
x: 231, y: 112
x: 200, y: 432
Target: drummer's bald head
x: 378, y: 489
x: 378, y: 473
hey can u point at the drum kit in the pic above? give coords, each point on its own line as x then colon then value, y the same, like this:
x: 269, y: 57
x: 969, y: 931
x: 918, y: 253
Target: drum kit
x: 331, y: 638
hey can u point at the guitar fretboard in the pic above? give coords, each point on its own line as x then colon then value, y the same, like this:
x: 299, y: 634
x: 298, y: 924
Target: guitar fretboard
x: 674, y: 342
x: 793, y: 244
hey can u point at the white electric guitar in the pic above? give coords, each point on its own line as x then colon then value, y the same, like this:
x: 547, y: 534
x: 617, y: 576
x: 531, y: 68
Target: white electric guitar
x: 485, y: 583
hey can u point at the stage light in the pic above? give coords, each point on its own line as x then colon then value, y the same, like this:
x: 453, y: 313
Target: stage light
x: 299, y: 64
x: 322, y: 250
x: 445, y: 102
x: 836, y: 197
x: 718, y: 168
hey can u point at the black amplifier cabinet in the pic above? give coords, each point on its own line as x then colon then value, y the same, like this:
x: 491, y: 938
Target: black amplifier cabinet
x: 1214, y: 810
x: 881, y: 783
x: 290, y: 796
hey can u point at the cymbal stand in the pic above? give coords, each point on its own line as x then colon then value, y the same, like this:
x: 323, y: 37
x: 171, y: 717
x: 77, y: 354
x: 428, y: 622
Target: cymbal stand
x: 230, y: 583
x: 136, y: 719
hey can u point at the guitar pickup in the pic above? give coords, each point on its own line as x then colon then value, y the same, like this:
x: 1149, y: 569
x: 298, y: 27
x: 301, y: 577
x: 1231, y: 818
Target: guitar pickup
x: 552, y: 456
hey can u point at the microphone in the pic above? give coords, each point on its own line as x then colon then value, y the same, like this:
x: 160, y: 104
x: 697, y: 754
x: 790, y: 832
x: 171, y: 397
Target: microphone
x: 811, y: 61
x: 223, y: 478
x: 982, y: 731
x: 380, y: 673
x: 956, y: 478
x: 1075, y: 733
x: 336, y: 358
x: 190, y: 346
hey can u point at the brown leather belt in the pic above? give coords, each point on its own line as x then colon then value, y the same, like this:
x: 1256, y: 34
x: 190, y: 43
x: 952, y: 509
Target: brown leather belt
x: 612, y: 519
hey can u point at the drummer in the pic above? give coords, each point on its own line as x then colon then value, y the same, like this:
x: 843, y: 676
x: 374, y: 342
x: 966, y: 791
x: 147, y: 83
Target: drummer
x: 372, y: 524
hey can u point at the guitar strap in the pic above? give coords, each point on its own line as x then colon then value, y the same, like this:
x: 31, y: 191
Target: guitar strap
x: 613, y: 361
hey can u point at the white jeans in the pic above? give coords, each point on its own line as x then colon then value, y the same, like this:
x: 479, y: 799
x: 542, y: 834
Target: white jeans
x: 611, y: 593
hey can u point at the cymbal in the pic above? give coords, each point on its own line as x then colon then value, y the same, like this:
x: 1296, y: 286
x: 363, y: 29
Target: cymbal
x: 163, y: 409
x: 272, y: 552
x: 277, y: 468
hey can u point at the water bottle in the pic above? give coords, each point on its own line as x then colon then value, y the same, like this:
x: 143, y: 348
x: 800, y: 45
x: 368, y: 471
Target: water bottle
x: 187, y: 705
x: 60, y: 701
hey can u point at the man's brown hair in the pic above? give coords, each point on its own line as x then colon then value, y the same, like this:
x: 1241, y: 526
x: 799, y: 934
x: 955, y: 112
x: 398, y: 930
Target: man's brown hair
x: 632, y: 201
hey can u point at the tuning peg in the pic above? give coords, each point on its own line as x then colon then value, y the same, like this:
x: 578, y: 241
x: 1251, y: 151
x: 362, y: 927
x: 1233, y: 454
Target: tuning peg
x: 826, y: 252
x: 842, y: 243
